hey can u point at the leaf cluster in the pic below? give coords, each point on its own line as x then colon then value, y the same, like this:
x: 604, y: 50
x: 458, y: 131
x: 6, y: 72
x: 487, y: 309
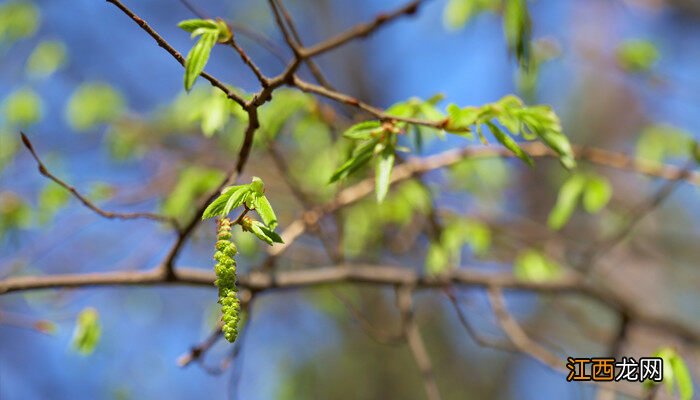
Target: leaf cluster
x: 252, y: 196
x: 594, y: 192
x: 210, y: 32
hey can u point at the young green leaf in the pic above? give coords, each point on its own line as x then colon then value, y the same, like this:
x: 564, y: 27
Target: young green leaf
x: 94, y: 103
x: 458, y: 12
x: 659, y: 142
x: 567, y: 200
x: 87, y: 331
x: 683, y: 378
x: 47, y: 57
x: 360, y: 157
x: 22, y: 107
x: 193, y: 182
x: 383, y: 174
x: 198, y: 56
x: 216, y: 207
x: 363, y: 130
x: 264, y: 209
x: 191, y: 25
x: 437, y: 259
x: 560, y: 144
x: 237, y: 197
x: 257, y: 186
x: 18, y: 19
x: 510, y: 144
x: 461, y: 119
x: 51, y: 198
x: 596, y: 194
x: 532, y: 265
x: 264, y: 233
x: 518, y: 30
x: 637, y: 56
x: 675, y: 371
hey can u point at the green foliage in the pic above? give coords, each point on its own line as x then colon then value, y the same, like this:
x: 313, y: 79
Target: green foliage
x: 422, y: 109
x: 251, y: 195
x: 225, y: 270
x: 385, y: 163
x: 125, y: 139
x: 543, y: 50
x: 637, y: 56
x: 93, y: 103
x: 87, y: 331
x: 676, y: 373
x: 567, y: 200
x: 9, y: 144
x: 596, y: 194
x: 264, y: 210
x: 380, y: 138
x: 518, y: 30
x: 458, y: 12
x: 210, y: 32
x: 216, y: 111
x: 532, y: 265
x: 517, y: 26
x: 532, y: 122
x: 22, y: 107
x: 285, y: 104
x: 47, y: 57
x: 417, y: 108
x: 14, y: 212
x: 206, y: 108
x: 660, y: 142
x: 100, y: 191
x: 364, y: 221
x: 261, y: 231
x: 377, y: 140
x: 193, y: 182
x: 51, y: 199
x: 364, y: 130
x: 595, y: 190
x: 510, y: 144
x: 360, y: 157
x: 18, y: 20
x: 309, y: 165
x: 484, y: 177
x: 446, y: 253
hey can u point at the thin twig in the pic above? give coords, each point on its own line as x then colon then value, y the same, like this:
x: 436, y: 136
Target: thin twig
x: 416, y: 166
x: 247, y: 60
x: 358, y: 274
x: 361, y: 30
x: 293, y: 45
x: 598, y: 250
x: 313, y: 67
x: 478, y: 339
x: 378, y: 335
x: 170, y: 49
x: 85, y: 201
x: 414, y: 340
x: 517, y: 335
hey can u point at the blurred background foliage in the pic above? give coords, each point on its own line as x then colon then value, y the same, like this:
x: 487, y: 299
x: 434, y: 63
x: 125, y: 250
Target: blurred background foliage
x: 105, y: 107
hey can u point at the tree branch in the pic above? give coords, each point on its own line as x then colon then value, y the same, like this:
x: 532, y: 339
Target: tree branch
x: 517, y: 335
x: 86, y: 202
x: 176, y: 55
x: 360, y: 30
x: 404, y: 301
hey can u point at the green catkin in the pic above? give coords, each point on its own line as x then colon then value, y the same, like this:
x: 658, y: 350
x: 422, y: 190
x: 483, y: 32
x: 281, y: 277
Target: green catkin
x: 225, y: 270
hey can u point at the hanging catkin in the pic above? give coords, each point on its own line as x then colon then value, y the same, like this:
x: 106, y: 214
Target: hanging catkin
x: 225, y: 270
